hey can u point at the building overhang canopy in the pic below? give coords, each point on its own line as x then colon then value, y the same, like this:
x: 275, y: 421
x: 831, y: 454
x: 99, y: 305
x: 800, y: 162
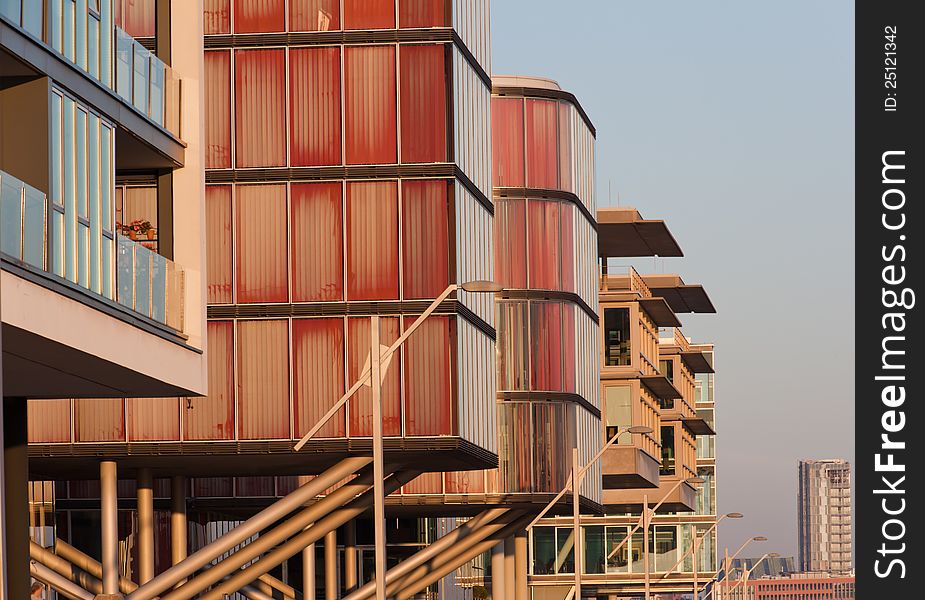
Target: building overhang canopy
x: 660, y: 311
x: 623, y: 233
x: 698, y: 426
x: 682, y: 297
x: 661, y: 387
x: 697, y: 362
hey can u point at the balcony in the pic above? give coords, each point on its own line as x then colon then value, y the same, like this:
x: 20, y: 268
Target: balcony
x: 146, y: 83
x: 146, y: 283
x: 677, y: 498
x: 628, y: 467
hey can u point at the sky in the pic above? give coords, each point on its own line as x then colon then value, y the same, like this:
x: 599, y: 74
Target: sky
x: 734, y: 122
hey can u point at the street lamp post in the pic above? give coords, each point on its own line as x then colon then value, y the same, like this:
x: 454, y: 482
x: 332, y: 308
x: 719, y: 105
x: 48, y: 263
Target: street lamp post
x: 748, y: 572
x: 574, y: 484
x: 728, y: 560
x: 696, y: 545
x: 379, y: 359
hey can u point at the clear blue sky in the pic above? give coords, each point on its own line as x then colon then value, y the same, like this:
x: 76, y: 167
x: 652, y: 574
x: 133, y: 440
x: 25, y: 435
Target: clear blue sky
x: 733, y: 121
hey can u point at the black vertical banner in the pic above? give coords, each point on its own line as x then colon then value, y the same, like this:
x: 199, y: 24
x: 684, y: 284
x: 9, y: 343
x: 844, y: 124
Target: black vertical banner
x: 890, y: 374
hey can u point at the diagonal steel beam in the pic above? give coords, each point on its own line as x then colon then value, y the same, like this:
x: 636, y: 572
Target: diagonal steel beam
x: 88, y: 564
x: 64, y: 568
x: 314, y: 533
x: 249, y: 528
x: 65, y: 586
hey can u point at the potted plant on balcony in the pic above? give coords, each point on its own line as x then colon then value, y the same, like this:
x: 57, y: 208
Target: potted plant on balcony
x: 137, y: 228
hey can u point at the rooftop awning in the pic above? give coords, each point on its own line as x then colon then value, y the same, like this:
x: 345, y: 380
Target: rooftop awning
x: 622, y: 232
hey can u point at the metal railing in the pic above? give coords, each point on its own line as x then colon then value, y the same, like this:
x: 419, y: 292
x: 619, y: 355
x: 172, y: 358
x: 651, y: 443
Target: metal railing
x: 145, y: 82
x: 146, y: 282
x: 624, y: 277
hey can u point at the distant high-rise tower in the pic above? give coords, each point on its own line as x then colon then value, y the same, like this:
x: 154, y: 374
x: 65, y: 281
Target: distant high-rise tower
x: 824, y: 513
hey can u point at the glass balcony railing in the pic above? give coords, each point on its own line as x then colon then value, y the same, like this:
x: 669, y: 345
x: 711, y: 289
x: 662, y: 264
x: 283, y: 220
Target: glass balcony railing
x: 145, y: 82
x: 146, y: 282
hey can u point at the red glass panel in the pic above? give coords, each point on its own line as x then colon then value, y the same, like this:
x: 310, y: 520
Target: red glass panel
x: 567, y: 245
x: 546, y: 346
x: 260, y: 108
x: 99, y: 420
x: 263, y: 379
x: 369, y: 14
x: 424, y: 238
x: 256, y: 16
x: 510, y: 225
x: 369, y: 115
x: 543, y: 244
x: 314, y: 15
x: 217, y: 67
x: 216, y: 16
x: 422, y: 13
x: 136, y: 17
x: 261, y: 243
x: 465, y: 482
x: 49, y: 421
x: 212, y: 417
x: 569, y: 351
x: 428, y: 483
x: 372, y: 240
x: 542, y: 144
x: 314, y: 97
x: 513, y: 346
x: 318, y: 375
x: 507, y: 127
x: 317, y: 242
x: 429, y: 408
x: 360, y: 406
x: 565, y: 147
x: 423, y: 104
x: 151, y: 419
x: 515, y: 464
x: 219, y: 266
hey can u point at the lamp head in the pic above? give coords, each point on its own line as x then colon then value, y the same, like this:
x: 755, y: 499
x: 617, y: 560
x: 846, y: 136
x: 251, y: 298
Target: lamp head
x: 759, y: 538
x: 482, y: 286
x: 734, y: 515
x: 694, y: 480
x: 639, y: 429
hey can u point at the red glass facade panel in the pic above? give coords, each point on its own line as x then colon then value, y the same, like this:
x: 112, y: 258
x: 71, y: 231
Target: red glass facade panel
x: 370, y: 115
x: 314, y: 97
x: 318, y: 375
x: 260, y: 108
x: 510, y: 237
x: 317, y: 242
x: 99, y: 420
x: 216, y: 17
x: 212, y: 417
x: 543, y: 244
x: 465, y: 482
x: 565, y: 147
x: 263, y: 379
x: 422, y: 13
x: 429, y: 408
x: 542, y: 144
x: 423, y: 103
x: 372, y: 240
x: 260, y: 214
x: 427, y: 483
x: 219, y: 265
x: 546, y: 346
x: 369, y: 14
x: 424, y: 238
x: 49, y: 421
x: 569, y: 347
x: 507, y: 125
x: 136, y: 17
x: 314, y: 15
x: 360, y: 406
x: 258, y: 16
x: 152, y: 419
x: 567, y: 246
x: 217, y: 74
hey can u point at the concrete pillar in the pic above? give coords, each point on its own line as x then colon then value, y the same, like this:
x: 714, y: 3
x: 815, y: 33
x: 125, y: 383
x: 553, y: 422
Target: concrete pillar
x: 15, y: 499
x: 145, y: 495
x: 509, y: 579
x: 497, y: 572
x: 109, y: 527
x: 331, y: 584
x: 351, y: 572
x: 178, y: 525
x: 521, y: 590
x: 308, y: 573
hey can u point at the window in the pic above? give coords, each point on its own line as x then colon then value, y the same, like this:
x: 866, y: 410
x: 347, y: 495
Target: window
x: 360, y: 406
x: 216, y: 17
x: 425, y: 259
x: 553, y: 550
x: 617, y: 337
x: 260, y: 108
x: 369, y: 115
x: 263, y: 379
x: 594, y: 555
x: 618, y: 549
x: 317, y: 375
x: 314, y: 96
x: 618, y: 411
x: 369, y: 14
x: 257, y: 16
x: 546, y: 346
x: 542, y: 144
x: 314, y: 15
x: 668, y: 451
x: 665, y: 539
x: 217, y: 67
x: 428, y: 380
x: 317, y: 242
x: 510, y: 228
x: 372, y: 240
x: 507, y: 125
x: 218, y: 244
x: 666, y: 368
x: 423, y: 103
x: 261, y: 243
x: 543, y: 244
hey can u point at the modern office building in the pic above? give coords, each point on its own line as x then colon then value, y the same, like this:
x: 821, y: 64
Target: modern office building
x: 824, y: 516
x: 94, y: 309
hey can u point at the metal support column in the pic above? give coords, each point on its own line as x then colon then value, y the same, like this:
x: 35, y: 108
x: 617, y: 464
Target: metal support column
x: 331, y: 586
x: 378, y: 460
x: 576, y: 521
x: 351, y: 572
x: 109, y: 526
x: 521, y: 589
x: 145, y: 494
x: 497, y: 571
x: 509, y: 578
x: 178, y: 526
x: 645, y: 541
x: 308, y: 572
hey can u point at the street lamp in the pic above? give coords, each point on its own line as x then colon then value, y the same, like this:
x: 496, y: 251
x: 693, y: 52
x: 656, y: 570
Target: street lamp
x: 727, y: 560
x: 744, y: 579
x: 573, y: 484
x: 696, y: 545
x: 380, y: 355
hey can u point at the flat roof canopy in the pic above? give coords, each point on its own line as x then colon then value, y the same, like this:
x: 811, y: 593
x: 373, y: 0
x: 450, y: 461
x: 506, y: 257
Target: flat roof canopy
x: 697, y: 362
x: 682, y: 297
x: 661, y: 387
x: 698, y: 426
x: 660, y: 312
x: 622, y: 232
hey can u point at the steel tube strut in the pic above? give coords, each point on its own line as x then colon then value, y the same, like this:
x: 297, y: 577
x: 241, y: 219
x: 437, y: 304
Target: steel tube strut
x: 439, y: 573
x: 145, y: 495
x: 270, y: 539
x: 331, y: 586
x: 109, y: 526
x: 308, y: 572
x: 521, y: 587
x: 248, y: 529
x: 446, y: 542
x: 86, y: 563
x: 178, y: 521
x: 65, y: 586
x: 314, y: 533
x: 497, y: 570
x: 64, y: 568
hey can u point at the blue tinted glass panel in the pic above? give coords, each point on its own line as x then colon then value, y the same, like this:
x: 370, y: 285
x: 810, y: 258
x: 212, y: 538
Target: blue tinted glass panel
x: 106, y: 267
x: 83, y: 252
x: 11, y: 215
x: 140, y: 87
x: 142, y: 281
x: 93, y: 191
x: 125, y: 274
x: 34, y: 229
x: 57, y: 243
x: 158, y: 288
x: 124, y: 73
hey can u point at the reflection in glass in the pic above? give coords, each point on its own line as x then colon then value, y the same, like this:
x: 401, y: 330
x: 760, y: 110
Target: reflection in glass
x: 617, y: 337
